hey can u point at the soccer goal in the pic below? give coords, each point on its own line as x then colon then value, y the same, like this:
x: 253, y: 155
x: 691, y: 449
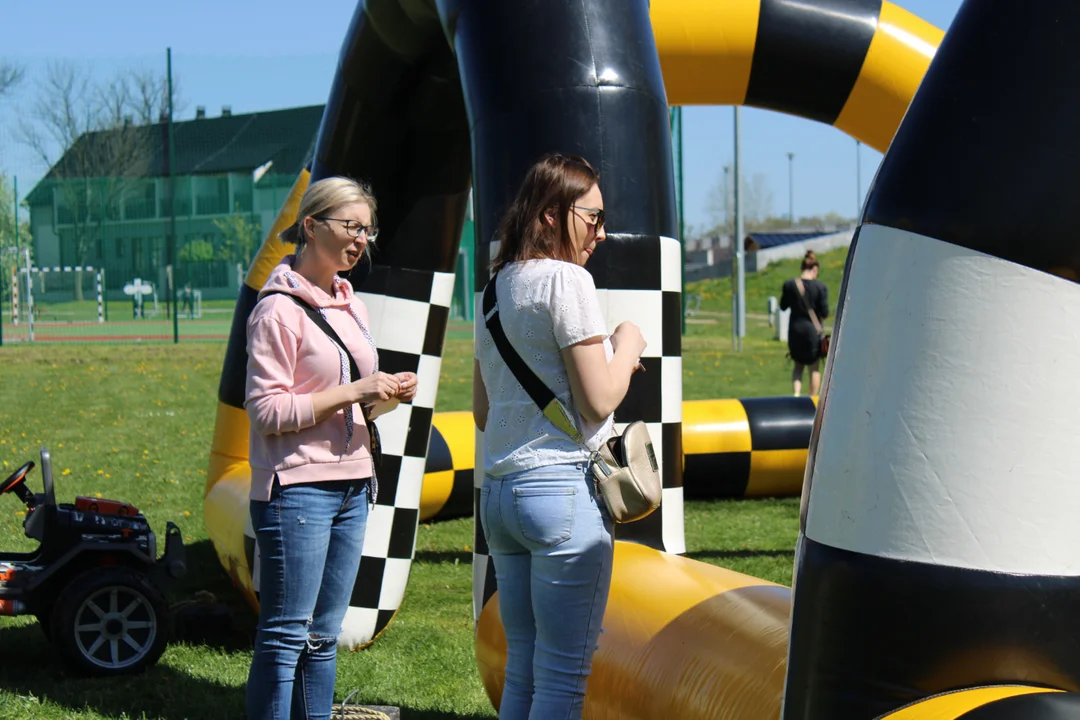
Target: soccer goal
x: 58, y: 295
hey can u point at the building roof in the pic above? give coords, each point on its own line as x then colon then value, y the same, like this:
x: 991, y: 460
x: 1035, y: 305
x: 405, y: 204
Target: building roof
x: 209, y: 145
x: 762, y: 241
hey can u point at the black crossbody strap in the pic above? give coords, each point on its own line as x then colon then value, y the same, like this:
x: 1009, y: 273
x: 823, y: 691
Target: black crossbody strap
x: 318, y: 319
x: 546, y: 400
x: 373, y: 430
x: 806, y: 304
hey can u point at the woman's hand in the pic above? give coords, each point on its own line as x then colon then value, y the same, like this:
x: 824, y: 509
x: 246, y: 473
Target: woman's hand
x: 628, y: 335
x: 376, y: 387
x: 407, y: 383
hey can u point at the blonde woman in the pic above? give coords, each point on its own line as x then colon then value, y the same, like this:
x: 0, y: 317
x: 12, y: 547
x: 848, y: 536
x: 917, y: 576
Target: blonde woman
x: 313, y: 473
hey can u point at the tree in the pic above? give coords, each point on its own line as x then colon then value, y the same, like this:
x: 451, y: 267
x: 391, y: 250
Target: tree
x: 8, y: 257
x: 196, y: 251
x: 10, y: 76
x: 240, y: 237
x: 756, y: 199
x: 98, y: 139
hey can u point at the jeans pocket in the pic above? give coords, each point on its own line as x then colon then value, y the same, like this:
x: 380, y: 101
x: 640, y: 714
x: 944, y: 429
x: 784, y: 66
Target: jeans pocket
x: 545, y: 515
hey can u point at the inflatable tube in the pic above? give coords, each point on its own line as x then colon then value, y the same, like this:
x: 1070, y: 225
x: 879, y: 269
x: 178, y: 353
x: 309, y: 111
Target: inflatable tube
x: 852, y: 64
x: 804, y: 58
x: 937, y: 538
x: 584, y: 78
x: 685, y: 640
x: 396, y: 118
x: 999, y: 702
x: 752, y: 447
x: 448, y: 474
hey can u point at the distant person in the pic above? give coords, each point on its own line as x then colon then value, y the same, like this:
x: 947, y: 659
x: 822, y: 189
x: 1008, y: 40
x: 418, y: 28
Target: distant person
x: 188, y: 298
x: 313, y: 474
x: 802, y: 295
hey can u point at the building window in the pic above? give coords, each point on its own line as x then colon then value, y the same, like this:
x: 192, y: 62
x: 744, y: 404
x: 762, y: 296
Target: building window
x: 211, y: 195
x: 140, y: 201
x: 137, y: 254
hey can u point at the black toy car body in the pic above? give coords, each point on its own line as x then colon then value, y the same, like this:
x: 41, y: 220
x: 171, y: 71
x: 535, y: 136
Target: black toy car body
x: 95, y: 581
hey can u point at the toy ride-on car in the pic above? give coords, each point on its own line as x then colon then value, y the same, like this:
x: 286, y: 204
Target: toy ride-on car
x: 95, y: 582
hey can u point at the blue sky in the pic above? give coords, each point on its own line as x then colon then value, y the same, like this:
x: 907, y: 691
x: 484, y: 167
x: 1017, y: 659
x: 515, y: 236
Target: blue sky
x: 265, y: 55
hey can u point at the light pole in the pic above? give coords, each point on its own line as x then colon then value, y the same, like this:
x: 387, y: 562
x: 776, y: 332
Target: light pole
x: 858, y: 180
x: 791, y: 188
x: 739, y: 278
x: 727, y: 198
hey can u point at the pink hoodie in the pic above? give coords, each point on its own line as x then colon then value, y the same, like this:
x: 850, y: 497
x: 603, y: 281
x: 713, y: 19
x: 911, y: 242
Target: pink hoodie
x: 289, y: 358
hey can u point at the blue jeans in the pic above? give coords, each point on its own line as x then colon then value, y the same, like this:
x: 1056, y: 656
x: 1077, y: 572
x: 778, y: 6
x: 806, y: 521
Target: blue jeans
x: 310, y: 538
x: 550, y: 538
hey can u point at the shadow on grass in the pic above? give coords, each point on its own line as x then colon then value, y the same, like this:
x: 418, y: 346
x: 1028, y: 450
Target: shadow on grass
x: 436, y: 557
x: 729, y: 554
x: 209, y: 610
x: 159, y: 692
x: 162, y: 692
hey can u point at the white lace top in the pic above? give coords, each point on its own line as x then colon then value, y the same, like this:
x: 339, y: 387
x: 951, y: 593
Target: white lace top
x: 544, y: 306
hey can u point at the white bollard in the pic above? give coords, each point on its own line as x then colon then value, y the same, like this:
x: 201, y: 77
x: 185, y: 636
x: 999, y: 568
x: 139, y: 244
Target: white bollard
x: 783, y: 317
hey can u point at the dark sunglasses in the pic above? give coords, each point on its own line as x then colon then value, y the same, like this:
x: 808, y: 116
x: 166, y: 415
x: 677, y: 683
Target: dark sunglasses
x: 599, y: 219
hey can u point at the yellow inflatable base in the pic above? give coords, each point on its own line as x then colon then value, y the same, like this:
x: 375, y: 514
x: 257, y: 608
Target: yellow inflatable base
x: 952, y: 705
x: 682, y: 639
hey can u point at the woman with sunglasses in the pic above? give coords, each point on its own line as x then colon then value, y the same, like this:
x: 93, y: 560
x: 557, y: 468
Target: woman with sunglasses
x: 312, y: 473
x: 549, y: 534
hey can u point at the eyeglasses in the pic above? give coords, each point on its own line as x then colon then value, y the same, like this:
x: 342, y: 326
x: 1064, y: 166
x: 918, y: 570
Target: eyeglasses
x: 354, y: 228
x: 598, y: 220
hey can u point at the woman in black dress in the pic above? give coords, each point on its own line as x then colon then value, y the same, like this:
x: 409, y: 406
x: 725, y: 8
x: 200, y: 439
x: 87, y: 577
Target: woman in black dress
x: 804, y: 340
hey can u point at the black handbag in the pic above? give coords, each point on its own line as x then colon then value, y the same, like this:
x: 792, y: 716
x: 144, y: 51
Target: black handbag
x: 318, y: 319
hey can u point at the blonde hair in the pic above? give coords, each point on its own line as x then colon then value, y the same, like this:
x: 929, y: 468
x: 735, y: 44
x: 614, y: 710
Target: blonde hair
x: 321, y: 199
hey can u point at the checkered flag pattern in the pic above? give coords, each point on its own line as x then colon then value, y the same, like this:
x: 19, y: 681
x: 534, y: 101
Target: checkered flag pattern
x: 643, y: 284
x: 408, y: 312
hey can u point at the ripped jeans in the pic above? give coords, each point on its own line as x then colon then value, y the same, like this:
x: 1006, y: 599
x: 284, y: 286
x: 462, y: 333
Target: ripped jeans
x: 310, y: 538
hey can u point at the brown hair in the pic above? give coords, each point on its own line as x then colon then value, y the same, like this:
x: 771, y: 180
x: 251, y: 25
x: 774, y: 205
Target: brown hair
x: 553, y: 184
x: 322, y: 198
x: 809, y: 261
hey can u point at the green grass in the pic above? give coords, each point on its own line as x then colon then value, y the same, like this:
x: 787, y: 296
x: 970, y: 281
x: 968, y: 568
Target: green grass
x: 135, y: 423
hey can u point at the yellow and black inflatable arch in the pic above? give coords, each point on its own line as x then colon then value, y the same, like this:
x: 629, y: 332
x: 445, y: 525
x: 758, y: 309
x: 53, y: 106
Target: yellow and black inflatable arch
x: 433, y: 96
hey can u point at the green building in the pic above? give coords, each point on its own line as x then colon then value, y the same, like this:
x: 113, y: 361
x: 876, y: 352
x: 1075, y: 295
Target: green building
x: 105, y: 203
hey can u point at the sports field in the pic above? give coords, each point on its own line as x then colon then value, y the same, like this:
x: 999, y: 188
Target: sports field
x: 134, y: 423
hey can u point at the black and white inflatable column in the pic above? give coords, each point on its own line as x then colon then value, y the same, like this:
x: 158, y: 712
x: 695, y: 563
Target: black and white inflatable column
x: 584, y: 78
x: 938, y: 547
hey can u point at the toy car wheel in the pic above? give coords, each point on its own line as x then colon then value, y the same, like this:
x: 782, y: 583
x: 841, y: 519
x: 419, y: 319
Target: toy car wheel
x: 109, y: 622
